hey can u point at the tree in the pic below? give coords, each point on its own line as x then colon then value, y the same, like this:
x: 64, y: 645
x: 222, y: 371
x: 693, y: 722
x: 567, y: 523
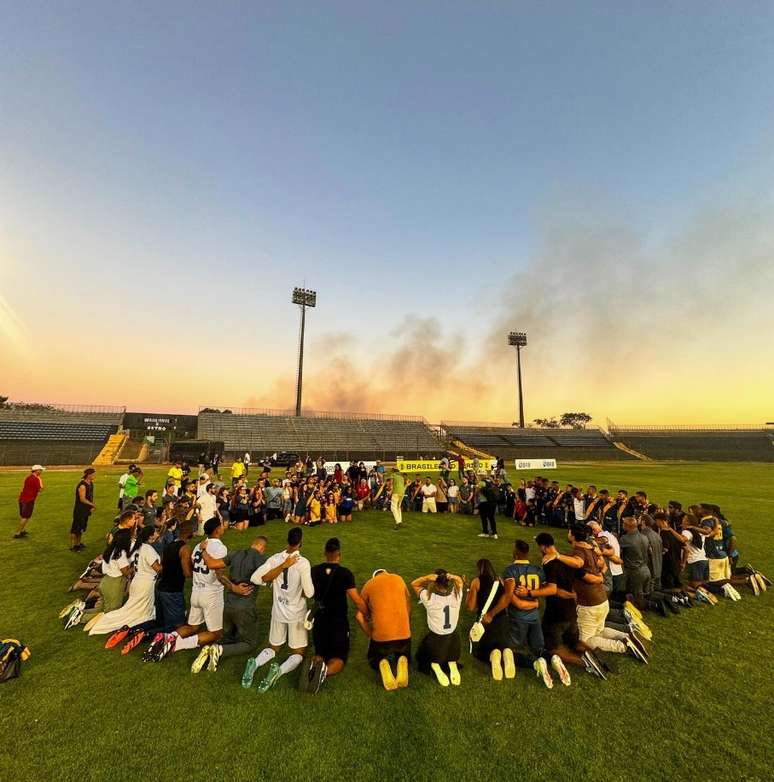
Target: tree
x: 575, y: 420
x: 546, y: 423
x: 4, y: 402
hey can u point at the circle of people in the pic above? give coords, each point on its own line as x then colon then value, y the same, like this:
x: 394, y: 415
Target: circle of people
x: 628, y: 557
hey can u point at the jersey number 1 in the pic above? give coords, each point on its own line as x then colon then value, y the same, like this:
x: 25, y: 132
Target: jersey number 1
x: 284, y: 584
x: 447, y: 617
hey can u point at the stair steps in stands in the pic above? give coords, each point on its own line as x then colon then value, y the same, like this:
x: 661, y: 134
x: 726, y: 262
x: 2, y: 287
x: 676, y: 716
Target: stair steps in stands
x: 111, y: 449
x: 632, y: 452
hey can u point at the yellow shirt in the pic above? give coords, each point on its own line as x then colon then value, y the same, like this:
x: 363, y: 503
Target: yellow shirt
x: 330, y: 512
x: 237, y: 470
x: 314, y: 509
x: 176, y: 474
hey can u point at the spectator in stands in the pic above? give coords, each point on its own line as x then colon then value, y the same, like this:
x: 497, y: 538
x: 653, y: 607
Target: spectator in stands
x: 83, y: 508
x: 429, y: 492
x: 33, y: 485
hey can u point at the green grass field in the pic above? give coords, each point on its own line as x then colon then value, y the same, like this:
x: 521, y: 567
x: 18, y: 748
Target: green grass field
x: 702, y: 710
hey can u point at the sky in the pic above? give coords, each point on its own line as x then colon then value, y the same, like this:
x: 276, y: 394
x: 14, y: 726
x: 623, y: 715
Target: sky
x: 597, y: 175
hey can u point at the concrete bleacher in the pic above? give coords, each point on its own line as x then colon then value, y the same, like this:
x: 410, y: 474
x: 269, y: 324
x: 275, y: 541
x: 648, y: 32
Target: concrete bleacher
x: 55, y: 434
x: 510, y: 442
x: 334, y: 435
x: 703, y: 445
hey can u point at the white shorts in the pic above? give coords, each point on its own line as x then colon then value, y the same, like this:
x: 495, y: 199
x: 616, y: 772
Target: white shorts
x: 206, y: 609
x: 428, y: 505
x: 294, y: 633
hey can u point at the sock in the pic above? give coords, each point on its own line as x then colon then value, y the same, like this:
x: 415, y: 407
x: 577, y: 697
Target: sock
x: 186, y: 643
x: 291, y: 663
x: 264, y: 657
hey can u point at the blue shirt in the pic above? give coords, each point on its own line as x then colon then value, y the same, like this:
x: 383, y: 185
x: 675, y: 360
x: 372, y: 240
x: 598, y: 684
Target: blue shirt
x: 529, y: 576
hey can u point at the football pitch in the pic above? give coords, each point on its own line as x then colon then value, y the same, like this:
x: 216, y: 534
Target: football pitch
x: 702, y: 709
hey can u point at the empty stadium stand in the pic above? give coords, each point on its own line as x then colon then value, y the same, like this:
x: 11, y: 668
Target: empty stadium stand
x: 698, y: 444
x: 55, y: 434
x: 335, y: 435
x: 509, y: 442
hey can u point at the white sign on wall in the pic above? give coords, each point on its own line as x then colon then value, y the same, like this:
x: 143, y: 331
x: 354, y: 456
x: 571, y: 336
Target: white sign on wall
x: 535, y: 464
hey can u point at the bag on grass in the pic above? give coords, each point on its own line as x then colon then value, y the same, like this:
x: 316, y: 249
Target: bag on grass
x: 12, y: 652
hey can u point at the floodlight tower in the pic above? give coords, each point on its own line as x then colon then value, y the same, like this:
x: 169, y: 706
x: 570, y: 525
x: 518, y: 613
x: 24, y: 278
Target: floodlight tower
x: 304, y: 298
x: 518, y: 339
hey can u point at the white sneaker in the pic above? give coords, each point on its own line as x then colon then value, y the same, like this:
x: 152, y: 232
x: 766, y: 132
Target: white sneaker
x: 494, y: 537
x: 558, y: 666
x: 541, y: 670
x: 483, y: 534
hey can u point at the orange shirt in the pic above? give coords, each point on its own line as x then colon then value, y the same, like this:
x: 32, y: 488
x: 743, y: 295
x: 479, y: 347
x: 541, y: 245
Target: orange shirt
x: 386, y: 597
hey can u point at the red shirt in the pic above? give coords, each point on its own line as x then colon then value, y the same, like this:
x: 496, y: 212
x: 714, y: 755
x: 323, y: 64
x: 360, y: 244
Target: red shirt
x: 31, y: 489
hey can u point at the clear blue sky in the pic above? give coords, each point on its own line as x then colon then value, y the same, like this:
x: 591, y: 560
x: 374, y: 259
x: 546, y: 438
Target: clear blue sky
x: 214, y: 155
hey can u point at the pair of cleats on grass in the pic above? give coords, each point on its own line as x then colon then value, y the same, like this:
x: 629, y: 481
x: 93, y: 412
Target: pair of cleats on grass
x: 504, y: 666
x: 132, y: 636
x: 401, y: 677
x: 311, y: 679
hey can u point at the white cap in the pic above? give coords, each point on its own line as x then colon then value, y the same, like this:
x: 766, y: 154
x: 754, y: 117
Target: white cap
x: 37, y: 467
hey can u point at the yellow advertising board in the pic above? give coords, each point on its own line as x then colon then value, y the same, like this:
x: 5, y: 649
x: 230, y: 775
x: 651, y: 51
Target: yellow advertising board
x: 434, y: 465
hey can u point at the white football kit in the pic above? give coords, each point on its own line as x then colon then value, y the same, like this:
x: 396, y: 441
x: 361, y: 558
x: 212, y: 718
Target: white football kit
x: 206, y: 589
x: 290, y: 589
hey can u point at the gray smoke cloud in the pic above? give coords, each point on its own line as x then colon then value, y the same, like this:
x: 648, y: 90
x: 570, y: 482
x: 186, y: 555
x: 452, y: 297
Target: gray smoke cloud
x: 619, y: 323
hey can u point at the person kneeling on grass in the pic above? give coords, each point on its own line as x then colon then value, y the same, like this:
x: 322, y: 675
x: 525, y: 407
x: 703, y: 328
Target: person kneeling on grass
x: 206, y: 599
x: 240, y: 614
x: 290, y: 577
x: 333, y: 584
x: 441, y: 595
x: 116, y: 571
x: 386, y: 623
x: 494, y: 646
x: 560, y: 622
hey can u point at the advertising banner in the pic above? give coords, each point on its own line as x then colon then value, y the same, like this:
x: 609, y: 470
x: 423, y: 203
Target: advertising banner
x: 434, y: 465
x: 535, y: 464
x: 331, y: 466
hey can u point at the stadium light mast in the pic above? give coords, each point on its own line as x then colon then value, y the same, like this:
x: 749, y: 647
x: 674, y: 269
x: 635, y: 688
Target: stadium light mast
x: 518, y: 339
x: 304, y: 298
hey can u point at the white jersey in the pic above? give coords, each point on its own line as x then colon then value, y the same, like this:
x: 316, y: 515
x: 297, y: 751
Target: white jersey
x: 443, y: 611
x: 202, y: 577
x: 290, y: 588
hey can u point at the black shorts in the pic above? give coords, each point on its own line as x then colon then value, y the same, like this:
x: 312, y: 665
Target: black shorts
x: 25, y: 509
x: 556, y: 634
x: 389, y: 650
x: 80, y: 522
x: 439, y: 649
x: 331, y: 639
